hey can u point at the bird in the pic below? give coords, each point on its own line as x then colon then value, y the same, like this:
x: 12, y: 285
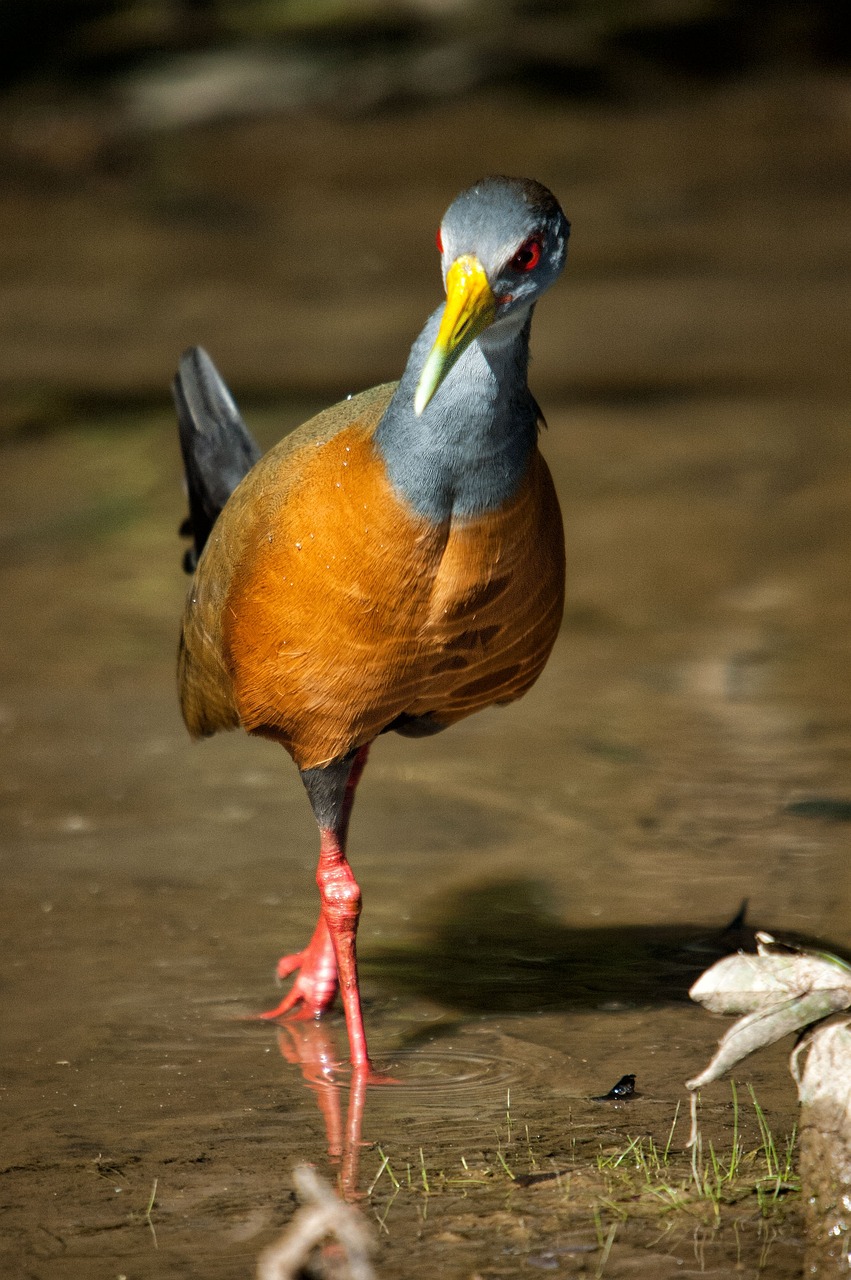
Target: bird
x: 393, y: 565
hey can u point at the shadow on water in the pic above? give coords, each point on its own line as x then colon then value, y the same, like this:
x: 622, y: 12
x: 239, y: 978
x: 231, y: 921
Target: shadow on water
x: 497, y: 948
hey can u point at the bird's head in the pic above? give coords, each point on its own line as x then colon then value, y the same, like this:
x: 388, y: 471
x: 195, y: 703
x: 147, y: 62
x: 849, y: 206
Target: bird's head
x: 502, y: 243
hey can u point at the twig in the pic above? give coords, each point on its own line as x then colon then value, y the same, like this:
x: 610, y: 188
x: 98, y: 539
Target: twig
x: 322, y: 1214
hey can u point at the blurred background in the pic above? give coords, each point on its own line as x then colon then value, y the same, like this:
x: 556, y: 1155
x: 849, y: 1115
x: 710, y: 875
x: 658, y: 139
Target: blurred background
x: 265, y: 177
x: 252, y: 174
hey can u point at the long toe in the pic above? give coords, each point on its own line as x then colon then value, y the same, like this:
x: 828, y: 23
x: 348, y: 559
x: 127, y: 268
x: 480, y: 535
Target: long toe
x: 288, y: 964
x: 305, y: 999
x: 291, y: 1007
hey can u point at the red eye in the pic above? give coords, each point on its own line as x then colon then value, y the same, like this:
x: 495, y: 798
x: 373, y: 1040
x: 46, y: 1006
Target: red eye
x: 528, y: 255
x: 439, y: 241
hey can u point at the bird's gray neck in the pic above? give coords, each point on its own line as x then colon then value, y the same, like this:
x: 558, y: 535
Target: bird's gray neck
x: 468, y: 451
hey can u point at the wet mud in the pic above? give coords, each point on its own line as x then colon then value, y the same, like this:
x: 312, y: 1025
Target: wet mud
x: 541, y: 883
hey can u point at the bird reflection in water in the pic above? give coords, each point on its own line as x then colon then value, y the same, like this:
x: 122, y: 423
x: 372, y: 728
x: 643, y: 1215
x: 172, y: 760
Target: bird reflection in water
x: 311, y: 1046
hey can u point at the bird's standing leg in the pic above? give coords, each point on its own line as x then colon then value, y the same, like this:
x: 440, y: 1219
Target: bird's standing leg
x: 329, y: 959
x: 318, y: 956
x: 341, y: 903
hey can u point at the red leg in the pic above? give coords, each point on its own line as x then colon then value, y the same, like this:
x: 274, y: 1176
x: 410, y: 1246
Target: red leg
x: 341, y: 904
x: 331, y: 950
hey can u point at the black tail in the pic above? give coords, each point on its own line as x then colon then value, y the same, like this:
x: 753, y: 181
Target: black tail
x: 216, y: 446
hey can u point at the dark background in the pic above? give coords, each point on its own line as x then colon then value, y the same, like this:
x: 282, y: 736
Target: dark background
x: 252, y: 174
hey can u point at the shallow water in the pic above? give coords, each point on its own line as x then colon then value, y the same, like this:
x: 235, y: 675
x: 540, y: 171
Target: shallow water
x: 541, y: 883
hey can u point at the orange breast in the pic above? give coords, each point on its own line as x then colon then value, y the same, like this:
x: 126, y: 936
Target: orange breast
x: 347, y: 610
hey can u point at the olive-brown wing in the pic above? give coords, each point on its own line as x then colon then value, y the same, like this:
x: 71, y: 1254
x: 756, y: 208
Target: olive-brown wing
x: 205, y: 674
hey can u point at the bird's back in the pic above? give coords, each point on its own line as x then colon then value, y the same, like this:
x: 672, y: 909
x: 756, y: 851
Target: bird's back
x: 325, y: 608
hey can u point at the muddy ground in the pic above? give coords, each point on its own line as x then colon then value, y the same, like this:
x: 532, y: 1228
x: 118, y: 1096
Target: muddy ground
x: 542, y: 883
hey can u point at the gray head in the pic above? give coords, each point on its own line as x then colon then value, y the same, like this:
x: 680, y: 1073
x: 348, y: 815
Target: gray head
x: 502, y: 242
x: 516, y: 229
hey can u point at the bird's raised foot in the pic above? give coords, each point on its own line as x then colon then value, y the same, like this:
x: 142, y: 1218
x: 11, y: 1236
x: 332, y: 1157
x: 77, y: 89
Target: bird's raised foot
x: 313, y: 991
x: 310, y: 996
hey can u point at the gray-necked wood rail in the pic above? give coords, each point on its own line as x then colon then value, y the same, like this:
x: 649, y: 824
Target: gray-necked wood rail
x: 395, y: 563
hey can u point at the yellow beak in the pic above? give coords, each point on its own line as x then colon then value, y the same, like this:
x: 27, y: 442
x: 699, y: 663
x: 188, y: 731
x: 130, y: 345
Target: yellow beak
x: 470, y: 308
